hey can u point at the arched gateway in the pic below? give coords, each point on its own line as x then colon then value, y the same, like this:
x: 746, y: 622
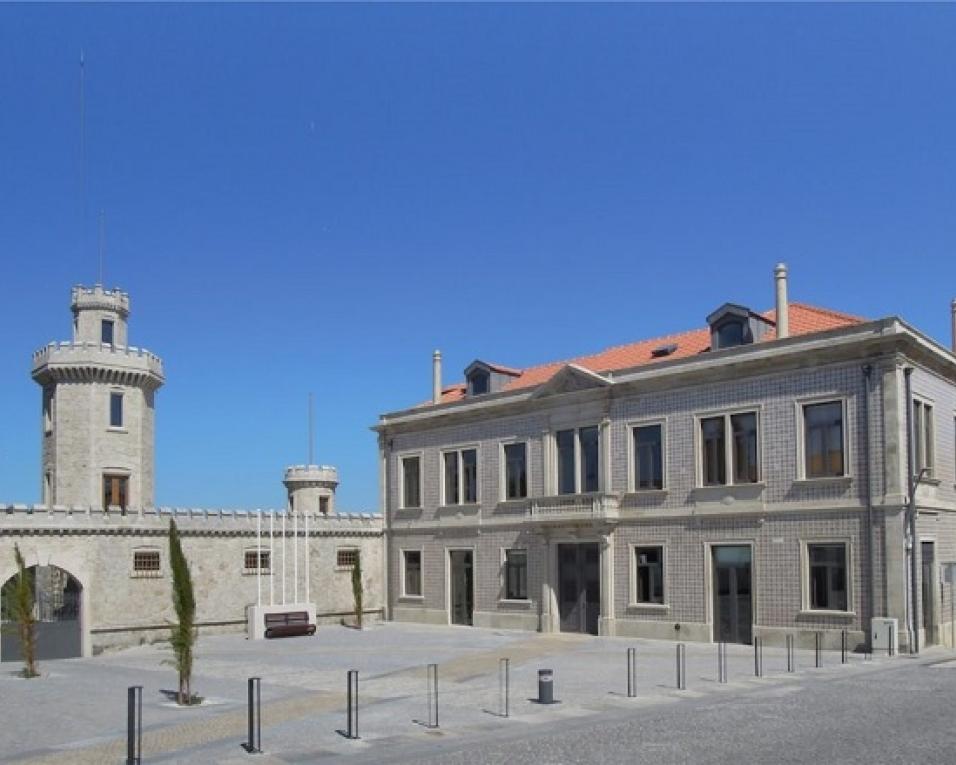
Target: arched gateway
x: 57, y: 604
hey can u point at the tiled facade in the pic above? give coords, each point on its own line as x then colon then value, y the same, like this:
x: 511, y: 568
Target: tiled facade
x: 860, y: 366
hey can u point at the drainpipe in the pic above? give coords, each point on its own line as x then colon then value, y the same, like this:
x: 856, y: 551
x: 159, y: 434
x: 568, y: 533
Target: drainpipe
x: 911, y: 481
x: 436, y: 377
x: 870, y: 543
x: 783, y: 304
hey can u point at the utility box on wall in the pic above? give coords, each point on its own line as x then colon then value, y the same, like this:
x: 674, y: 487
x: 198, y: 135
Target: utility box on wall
x: 885, y: 635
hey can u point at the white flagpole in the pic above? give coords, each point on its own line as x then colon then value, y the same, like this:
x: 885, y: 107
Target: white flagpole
x: 259, y: 558
x: 295, y: 557
x: 283, y: 558
x: 307, y: 557
x: 272, y: 560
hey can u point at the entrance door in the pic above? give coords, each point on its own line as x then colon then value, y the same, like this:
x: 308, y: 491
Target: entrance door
x: 733, y: 605
x: 462, y: 587
x: 579, y: 587
x: 56, y: 608
x: 928, y: 557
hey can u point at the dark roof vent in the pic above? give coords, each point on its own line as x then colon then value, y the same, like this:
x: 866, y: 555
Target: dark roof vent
x: 664, y: 350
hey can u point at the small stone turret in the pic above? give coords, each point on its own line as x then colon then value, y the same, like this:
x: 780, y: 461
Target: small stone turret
x: 311, y: 488
x: 99, y: 315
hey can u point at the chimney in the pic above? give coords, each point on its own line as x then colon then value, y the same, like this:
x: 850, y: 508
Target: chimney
x: 783, y: 305
x: 952, y: 309
x: 436, y: 377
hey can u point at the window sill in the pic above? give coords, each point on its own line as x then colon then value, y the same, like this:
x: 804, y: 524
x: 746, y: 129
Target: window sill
x: 829, y: 480
x: 146, y: 575
x: 655, y: 607
x: 826, y: 613
x: 411, y: 598
x: 929, y: 481
x: 515, y: 602
x: 253, y: 572
x: 111, y: 429
x: 647, y: 492
x: 758, y: 486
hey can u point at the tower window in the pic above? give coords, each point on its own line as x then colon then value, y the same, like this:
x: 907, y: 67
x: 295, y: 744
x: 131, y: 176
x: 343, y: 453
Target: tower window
x: 324, y: 505
x: 47, y: 412
x: 106, y: 331
x: 116, y: 410
x: 115, y: 491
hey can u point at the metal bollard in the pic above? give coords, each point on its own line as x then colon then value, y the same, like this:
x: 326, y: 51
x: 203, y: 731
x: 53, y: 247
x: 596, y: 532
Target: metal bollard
x: 681, y: 667
x: 431, y: 680
x: 545, y: 686
x: 504, y: 686
x: 758, y: 657
x: 134, y: 725
x: 352, y: 679
x: 816, y: 642
x: 843, y: 646
x: 791, y: 664
x: 721, y: 662
x: 253, y: 743
x: 631, y: 673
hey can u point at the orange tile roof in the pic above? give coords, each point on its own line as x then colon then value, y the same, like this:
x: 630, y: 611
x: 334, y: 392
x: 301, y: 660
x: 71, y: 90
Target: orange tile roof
x: 804, y: 320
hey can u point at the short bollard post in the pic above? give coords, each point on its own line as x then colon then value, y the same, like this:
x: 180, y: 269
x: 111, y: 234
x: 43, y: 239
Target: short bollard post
x: 721, y: 662
x: 843, y: 646
x: 352, y: 731
x: 790, y: 661
x: 891, y: 647
x: 681, y: 667
x: 758, y: 657
x: 817, y: 648
x: 504, y: 686
x: 631, y: 673
x: 431, y: 676
x: 545, y: 686
x: 253, y: 743
x: 134, y: 725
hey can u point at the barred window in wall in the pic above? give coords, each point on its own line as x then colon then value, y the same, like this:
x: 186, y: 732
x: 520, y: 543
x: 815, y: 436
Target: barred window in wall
x: 412, y: 578
x: 254, y: 560
x: 649, y: 562
x: 924, y: 436
x: 146, y: 561
x: 346, y: 558
x: 516, y: 574
x: 828, y: 576
x: 823, y: 440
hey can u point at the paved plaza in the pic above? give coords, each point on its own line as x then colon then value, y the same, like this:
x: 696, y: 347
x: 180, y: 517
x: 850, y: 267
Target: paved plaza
x: 83, y: 701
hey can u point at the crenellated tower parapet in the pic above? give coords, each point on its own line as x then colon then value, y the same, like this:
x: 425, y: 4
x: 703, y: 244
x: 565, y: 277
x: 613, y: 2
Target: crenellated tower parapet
x: 311, y: 488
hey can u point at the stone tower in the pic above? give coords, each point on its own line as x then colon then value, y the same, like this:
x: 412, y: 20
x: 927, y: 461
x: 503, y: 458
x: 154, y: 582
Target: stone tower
x: 311, y: 488
x: 98, y: 408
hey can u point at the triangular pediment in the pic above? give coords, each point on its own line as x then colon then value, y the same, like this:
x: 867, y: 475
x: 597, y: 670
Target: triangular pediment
x: 569, y: 379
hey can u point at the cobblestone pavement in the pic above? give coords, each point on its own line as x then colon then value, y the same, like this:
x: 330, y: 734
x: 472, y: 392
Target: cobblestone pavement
x: 303, y: 699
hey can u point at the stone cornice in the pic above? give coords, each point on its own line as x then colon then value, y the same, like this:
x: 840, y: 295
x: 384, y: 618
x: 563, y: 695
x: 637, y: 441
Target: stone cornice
x: 97, y: 362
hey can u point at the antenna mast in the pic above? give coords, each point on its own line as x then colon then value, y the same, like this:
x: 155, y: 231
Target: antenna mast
x: 311, y: 433
x: 82, y: 154
x: 102, y: 243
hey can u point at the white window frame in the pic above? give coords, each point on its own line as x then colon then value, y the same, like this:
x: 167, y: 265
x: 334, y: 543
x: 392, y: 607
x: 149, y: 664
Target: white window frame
x: 728, y: 446
x: 503, y: 575
x: 443, y: 500
x: 633, y: 602
x: 253, y: 571
x: 158, y: 574
x: 928, y: 437
x: 556, y: 459
x: 401, y: 479
x: 404, y: 594
x: 801, y: 445
x: 503, y: 469
x: 805, y: 608
x: 632, y: 457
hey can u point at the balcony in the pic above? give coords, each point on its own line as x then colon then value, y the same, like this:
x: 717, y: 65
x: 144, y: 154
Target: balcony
x: 574, y: 507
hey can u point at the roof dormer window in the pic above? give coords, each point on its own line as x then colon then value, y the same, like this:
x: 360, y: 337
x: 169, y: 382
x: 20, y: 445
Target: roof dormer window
x: 478, y: 382
x: 730, y: 334
x: 482, y: 377
x: 733, y: 325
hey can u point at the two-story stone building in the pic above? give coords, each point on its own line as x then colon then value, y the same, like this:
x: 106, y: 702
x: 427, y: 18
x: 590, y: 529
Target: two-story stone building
x: 748, y: 478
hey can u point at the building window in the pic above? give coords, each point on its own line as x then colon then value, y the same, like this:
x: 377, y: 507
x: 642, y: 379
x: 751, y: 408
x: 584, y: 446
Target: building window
x: 412, y: 573
x: 115, y: 491
x: 516, y: 574
x: 460, y: 484
x: 47, y: 489
x: 578, y: 460
x: 324, y: 505
x: 924, y: 437
x: 516, y: 471
x: 411, y: 481
x: 106, y: 331
x: 828, y: 579
x: 256, y: 561
x: 479, y: 382
x: 648, y: 456
x: 116, y: 410
x: 146, y: 562
x: 48, y: 411
x: 649, y: 569
x: 823, y: 440
x: 346, y: 557
x: 740, y: 452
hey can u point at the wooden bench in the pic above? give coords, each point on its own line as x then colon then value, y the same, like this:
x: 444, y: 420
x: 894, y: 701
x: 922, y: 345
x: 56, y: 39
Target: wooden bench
x: 288, y: 624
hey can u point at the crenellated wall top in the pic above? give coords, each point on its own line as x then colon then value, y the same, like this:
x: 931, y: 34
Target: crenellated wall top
x: 310, y: 473
x: 100, y: 297
x: 76, y: 355
x: 88, y: 519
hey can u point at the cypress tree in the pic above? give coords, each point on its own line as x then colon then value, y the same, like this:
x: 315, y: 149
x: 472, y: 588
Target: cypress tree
x: 183, y: 635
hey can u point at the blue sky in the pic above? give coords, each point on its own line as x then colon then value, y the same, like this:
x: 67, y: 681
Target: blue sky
x: 312, y: 198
